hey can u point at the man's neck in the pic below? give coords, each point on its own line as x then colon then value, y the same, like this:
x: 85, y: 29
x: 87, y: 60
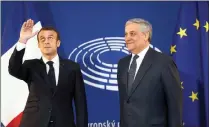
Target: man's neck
x: 49, y: 57
x: 140, y: 50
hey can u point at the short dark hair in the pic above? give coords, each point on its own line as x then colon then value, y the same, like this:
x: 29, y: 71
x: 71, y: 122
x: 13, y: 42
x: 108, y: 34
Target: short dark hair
x: 49, y: 28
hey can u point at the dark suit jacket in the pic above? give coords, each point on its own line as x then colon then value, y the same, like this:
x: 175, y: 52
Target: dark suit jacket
x: 41, y: 101
x: 156, y: 96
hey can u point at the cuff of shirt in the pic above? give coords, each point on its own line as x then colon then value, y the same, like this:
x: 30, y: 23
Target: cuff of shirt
x: 20, y: 46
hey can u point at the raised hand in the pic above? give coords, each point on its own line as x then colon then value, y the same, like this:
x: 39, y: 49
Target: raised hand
x: 26, y: 31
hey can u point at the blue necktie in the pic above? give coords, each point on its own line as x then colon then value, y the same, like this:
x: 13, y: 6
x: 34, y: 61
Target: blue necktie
x: 131, y: 73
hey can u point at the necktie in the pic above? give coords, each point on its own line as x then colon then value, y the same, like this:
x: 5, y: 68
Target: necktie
x: 131, y: 73
x: 51, y: 74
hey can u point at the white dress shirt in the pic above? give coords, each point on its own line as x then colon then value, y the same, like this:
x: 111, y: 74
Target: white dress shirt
x: 56, y: 61
x: 139, y: 59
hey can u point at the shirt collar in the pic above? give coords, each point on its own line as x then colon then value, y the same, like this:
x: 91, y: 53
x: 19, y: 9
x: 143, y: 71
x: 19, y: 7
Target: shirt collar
x: 142, y: 53
x: 55, y: 59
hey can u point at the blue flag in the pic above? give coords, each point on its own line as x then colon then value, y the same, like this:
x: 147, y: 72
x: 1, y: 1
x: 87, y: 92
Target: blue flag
x: 190, y: 52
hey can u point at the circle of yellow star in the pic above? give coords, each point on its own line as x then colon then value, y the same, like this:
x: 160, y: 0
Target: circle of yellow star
x: 197, y: 24
x: 206, y: 26
x: 172, y: 49
x: 182, y: 32
x: 193, y: 96
x: 182, y: 87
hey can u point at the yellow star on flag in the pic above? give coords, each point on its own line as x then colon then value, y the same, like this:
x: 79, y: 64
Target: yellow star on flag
x: 172, y: 49
x: 206, y: 26
x: 182, y: 85
x: 197, y: 24
x: 182, y: 32
x: 193, y: 96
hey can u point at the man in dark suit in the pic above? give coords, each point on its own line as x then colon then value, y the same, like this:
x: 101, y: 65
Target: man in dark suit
x: 148, y: 81
x: 53, y: 82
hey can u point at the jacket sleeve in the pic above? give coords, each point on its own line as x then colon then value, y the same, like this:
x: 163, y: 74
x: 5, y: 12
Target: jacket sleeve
x: 173, y: 91
x: 80, y: 100
x: 16, y: 67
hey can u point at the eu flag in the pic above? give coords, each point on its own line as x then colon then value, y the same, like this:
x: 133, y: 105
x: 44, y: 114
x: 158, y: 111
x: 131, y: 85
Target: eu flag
x: 190, y: 52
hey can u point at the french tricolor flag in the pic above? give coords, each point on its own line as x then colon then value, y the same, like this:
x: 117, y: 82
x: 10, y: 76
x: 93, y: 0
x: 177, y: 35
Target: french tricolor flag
x: 14, y: 92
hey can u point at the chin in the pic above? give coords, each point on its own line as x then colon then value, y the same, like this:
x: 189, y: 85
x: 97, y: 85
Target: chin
x: 130, y: 48
x: 47, y: 53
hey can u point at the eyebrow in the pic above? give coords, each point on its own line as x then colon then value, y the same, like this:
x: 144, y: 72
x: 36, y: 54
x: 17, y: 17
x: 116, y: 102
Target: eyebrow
x: 131, y: 31
x: 49, y: 35
x: 41, y: 37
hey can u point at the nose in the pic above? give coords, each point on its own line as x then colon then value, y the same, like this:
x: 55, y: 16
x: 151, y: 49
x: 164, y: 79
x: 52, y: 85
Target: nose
x: 127, y: 38
x: 46, y: 41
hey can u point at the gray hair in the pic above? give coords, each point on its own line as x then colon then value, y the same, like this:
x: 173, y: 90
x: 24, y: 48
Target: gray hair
x: 145, y: 26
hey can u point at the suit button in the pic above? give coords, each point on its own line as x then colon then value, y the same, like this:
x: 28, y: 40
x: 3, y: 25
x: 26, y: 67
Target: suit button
x: 50, y: 110
x: 128, y: 101
x: 129, y: 114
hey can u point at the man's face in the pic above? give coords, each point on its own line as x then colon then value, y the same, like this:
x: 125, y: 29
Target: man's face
x: 48, y: 42
x: 135, y: 40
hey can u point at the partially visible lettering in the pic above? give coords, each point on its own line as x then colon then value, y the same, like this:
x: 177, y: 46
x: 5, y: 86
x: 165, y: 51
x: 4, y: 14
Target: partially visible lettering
x: 105, y: 124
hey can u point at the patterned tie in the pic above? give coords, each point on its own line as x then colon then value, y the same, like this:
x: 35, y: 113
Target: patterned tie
x: 131, y: 73
x: 51, y: 75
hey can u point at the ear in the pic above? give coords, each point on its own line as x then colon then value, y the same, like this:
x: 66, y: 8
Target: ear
x: 58, y: 43
x: 146, y: 36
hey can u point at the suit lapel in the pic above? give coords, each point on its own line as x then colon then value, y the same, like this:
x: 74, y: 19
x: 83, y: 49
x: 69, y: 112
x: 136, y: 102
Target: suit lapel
x: 125, y: 72
x: 46, y: 79
x: 44, y: 75
x: 144, y: 67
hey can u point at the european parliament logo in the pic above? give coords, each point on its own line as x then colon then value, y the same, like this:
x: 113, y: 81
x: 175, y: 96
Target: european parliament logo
x: 97, y: 72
